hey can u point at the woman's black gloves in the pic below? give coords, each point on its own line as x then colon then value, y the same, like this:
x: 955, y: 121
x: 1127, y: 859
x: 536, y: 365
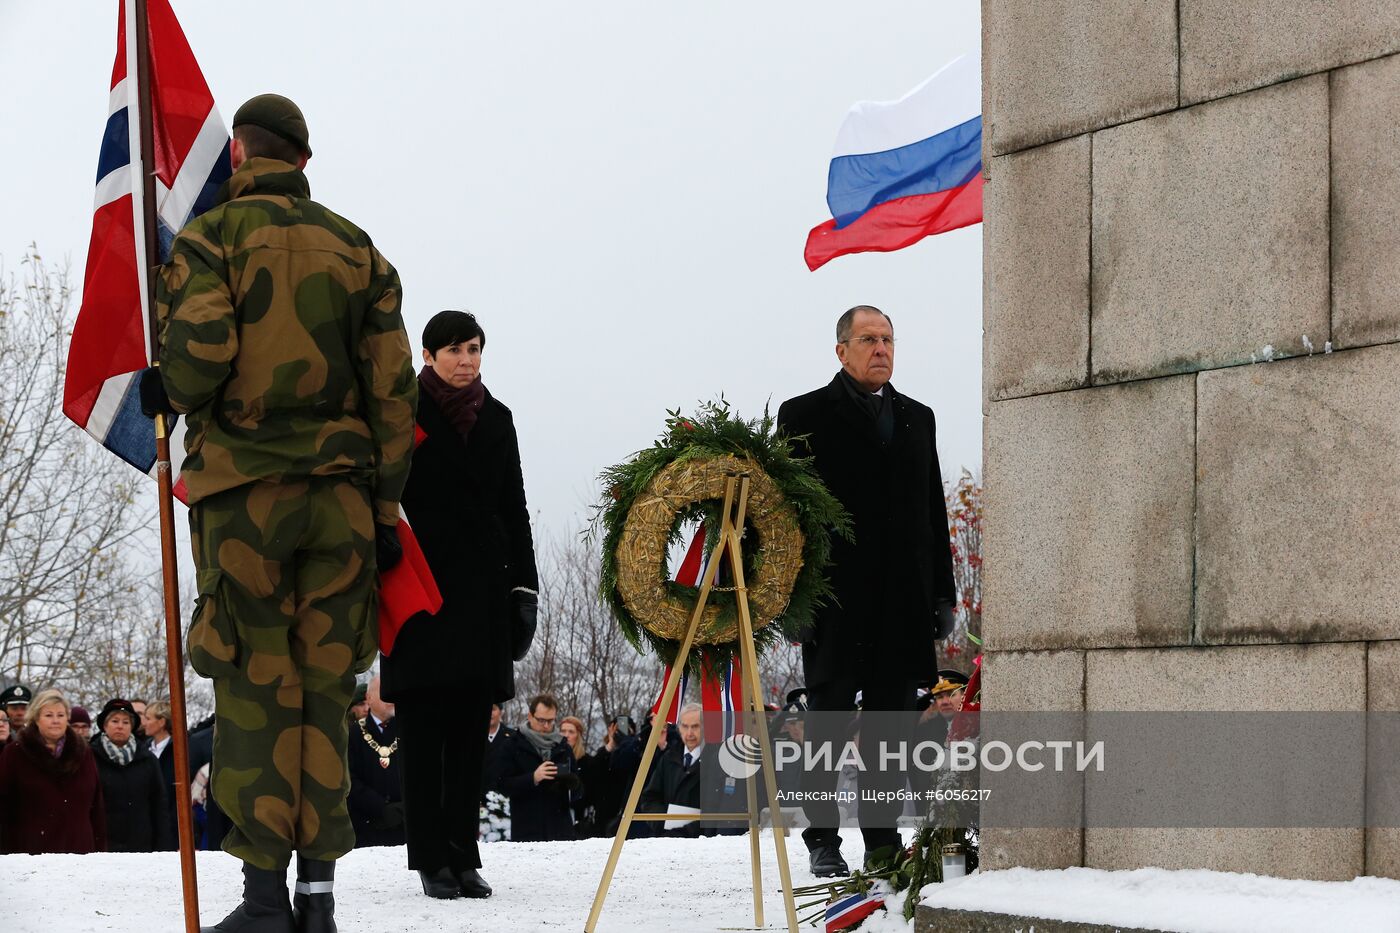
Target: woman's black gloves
x: 387, y: 550
x: 524, y: 609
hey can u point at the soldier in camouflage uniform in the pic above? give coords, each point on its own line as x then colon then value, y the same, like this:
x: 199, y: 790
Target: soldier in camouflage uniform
x: 283, y: 346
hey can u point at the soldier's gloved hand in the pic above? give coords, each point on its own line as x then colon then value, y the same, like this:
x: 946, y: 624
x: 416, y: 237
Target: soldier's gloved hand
x: 154, y: 401
x: 387, y: 550
x: 944, y: 615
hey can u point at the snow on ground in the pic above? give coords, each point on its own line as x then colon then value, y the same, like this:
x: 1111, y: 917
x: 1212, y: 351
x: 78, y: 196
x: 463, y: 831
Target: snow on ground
x: 671, y: 885
x: 1185, y: 901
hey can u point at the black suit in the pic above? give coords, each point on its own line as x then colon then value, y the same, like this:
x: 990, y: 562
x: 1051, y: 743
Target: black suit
x: 169, y: 839
x: 466, y: 502
x: 376, y: 790
x: 700, y: 785
x: 893, y: 584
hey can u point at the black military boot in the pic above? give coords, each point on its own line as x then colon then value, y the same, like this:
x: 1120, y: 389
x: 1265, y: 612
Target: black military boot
x: 313, y: 905
x: 265, y: 907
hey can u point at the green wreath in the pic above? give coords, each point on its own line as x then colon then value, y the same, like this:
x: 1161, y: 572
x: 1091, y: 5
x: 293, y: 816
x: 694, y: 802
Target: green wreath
x: 678, y: 480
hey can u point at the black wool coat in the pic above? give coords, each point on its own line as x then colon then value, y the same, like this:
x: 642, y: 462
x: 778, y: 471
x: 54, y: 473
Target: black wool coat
x: 890, y: 582
x: 538, y: 812
x: 466, y: 503
x: 133, y: 795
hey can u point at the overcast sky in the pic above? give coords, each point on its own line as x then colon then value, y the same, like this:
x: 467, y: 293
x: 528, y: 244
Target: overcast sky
x: 620, y: 191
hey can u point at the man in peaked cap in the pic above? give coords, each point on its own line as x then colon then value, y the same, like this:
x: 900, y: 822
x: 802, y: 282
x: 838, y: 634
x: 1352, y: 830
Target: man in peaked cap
x: 283, y: 346
x: 15, y: 700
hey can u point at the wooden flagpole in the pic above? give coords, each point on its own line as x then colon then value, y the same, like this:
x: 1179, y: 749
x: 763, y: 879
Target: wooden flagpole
x: 174, y: 651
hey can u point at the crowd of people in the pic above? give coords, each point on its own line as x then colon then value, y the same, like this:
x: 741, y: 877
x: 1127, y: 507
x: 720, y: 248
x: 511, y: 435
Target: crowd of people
x: 71, y: 784
x: 67, y: 788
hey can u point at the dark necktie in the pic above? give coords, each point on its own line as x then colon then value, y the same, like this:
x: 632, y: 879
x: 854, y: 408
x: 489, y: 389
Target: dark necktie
x: 687, y: 759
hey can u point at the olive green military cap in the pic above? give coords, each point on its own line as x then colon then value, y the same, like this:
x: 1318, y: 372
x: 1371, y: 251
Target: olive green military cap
x: 276, y: 114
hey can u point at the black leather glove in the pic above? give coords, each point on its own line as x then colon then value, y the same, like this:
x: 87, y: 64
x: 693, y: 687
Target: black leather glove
x: 154, y: 401
x: 387, y: 550
x: 524, y: 610
x: 944, y: 616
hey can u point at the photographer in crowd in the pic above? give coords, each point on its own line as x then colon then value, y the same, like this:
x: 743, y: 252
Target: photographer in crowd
x: 537, y: 775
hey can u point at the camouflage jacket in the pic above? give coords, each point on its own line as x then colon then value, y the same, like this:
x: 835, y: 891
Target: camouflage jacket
x: 282, y: 342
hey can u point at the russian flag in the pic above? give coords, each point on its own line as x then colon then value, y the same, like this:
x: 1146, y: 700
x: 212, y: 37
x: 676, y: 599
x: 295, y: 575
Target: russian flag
x: 848, y: 911
x: 905, y: 169
x: 111, y: 336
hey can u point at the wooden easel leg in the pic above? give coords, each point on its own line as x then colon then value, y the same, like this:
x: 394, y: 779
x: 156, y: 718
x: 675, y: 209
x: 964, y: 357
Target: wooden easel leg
x: 750, y: 663
x: 654, y: 739
x: 751, y: 792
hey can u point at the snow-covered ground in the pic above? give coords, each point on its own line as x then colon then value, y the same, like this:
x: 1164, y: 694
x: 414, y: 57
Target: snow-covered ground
x: 1185, y: 901
x: 671, y: 885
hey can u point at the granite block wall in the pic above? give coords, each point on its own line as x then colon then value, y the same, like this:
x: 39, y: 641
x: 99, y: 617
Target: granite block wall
x: 1192, y: 335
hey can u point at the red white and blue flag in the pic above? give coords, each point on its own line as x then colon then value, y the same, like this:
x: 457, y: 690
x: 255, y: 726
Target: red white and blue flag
x: 850, y: 910
x: 906, y: 169
x: 719, y: 683
x: 111, y: 337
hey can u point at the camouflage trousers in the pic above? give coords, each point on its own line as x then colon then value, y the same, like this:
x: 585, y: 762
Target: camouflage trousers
x: 285, y: 619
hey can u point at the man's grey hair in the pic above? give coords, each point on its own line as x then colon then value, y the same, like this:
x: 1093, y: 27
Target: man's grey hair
x: 691, y: 708
x: 847, y: 321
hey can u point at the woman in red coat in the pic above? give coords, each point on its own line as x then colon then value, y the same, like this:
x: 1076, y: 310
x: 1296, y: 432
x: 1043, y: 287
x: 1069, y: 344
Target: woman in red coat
x: 50, y: 797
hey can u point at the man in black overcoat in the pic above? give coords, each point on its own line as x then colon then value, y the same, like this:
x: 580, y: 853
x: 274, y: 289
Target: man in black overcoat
x: 875, y: 450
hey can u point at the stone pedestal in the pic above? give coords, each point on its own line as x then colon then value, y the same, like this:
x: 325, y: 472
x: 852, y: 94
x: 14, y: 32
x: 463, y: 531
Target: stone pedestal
x: 1192, y: 317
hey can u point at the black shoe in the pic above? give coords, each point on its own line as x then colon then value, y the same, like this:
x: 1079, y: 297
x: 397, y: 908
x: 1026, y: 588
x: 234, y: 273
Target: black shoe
x: 826, y: 862
x: 265, y: 907
x: 471, y: 883
x: 440, y: 884
x: 313, y: 905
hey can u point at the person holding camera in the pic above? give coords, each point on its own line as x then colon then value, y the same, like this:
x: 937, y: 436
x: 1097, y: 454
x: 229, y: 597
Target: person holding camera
x: 465, y: 500
x: 537, y: 774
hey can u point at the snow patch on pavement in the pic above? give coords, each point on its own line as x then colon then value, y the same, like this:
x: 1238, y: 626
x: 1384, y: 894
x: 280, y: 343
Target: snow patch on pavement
x: 1185, y: 901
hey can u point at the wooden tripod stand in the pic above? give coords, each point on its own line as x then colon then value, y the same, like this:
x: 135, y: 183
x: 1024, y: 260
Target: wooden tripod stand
x: 736, y: 496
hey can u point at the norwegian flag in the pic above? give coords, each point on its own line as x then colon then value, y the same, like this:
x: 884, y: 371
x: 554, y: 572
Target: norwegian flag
x: 719, y: 688
x: 409, y: 587
x: 111, y: 337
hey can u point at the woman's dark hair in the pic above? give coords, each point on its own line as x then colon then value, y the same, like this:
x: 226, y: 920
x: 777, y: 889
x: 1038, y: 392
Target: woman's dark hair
x: 449, y: 327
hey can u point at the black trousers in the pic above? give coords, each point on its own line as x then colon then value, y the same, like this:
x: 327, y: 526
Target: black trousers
x: 881, y: 692
x: 443, y: 737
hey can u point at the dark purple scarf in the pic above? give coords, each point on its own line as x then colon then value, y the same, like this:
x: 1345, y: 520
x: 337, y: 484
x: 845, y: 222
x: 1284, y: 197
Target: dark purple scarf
x: 459, y: 406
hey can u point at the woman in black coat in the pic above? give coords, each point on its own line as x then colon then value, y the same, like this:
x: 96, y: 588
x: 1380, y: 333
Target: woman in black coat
x: 133, y: 791
x: 465, y: 500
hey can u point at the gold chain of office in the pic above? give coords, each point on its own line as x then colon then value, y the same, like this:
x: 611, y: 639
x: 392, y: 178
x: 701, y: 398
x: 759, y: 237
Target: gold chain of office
x: 385, y: 752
